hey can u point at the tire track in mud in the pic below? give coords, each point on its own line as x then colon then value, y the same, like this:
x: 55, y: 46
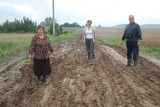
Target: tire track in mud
x: 10, y: 74
x: 148, y: 86
x: 74, y: 82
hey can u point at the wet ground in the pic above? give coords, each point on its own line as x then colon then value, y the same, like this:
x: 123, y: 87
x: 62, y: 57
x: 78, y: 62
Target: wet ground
x: 75, y: 82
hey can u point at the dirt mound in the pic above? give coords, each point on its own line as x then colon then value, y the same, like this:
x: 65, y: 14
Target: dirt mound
x: 75, y: 82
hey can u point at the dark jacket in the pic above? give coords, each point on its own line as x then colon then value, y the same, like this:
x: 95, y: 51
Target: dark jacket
x: 132, y: 32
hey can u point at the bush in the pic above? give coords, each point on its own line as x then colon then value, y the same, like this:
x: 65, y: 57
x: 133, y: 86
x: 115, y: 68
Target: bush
x: 58, y: 29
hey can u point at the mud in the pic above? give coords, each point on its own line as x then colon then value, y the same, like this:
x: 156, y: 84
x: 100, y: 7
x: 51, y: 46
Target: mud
x: 75, y: 82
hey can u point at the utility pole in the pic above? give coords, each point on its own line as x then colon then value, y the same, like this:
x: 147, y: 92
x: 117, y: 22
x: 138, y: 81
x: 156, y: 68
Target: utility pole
x: 53, y: 18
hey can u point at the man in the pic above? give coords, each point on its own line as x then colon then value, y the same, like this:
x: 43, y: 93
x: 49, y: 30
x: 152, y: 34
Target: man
x: 133, y: 37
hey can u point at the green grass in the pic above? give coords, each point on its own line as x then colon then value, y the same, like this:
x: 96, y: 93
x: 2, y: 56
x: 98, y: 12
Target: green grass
x: 63, y: 37
x: 12, y: 46
x: 13, y: 43
x: 148, y: 50
x: 151, y: 51
x: 111, y: 41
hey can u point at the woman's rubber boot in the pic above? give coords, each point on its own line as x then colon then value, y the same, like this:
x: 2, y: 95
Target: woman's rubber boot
x: 128, y: 63
x: 43, y: 79
x: 93, y: 56
x: 89, y: 56
x: 39, y: 82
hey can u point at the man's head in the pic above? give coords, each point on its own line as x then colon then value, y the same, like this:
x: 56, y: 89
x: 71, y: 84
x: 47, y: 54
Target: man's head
x: 131, y: 18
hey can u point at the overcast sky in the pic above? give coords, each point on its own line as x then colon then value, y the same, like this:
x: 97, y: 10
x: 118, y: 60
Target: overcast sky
x: 103, y: 12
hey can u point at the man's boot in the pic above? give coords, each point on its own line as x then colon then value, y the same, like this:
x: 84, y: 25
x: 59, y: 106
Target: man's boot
x: 135, y: 64
x: 129, y: 62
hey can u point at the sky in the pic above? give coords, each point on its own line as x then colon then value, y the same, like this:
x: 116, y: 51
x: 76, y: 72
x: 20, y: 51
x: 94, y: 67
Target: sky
x: 101, y: 12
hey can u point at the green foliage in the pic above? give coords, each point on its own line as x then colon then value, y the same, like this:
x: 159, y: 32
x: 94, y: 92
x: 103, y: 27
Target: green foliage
x: 62, y: 37
x: 75, y: 24
x: 112, y: 41
x: 48, y: 21
x: 23, y: 25
x: 58, y: 29
x: 13, y: 44
x: 0, y: 28
x: 152, y: 51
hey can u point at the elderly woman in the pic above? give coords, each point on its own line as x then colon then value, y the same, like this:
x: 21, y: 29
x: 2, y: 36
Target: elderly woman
x: 39, y: 48
x: 88, y: 38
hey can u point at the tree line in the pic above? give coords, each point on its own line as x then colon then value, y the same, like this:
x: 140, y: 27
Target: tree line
x: 48, y: 22
x: 26, y: 25
x: 66, y: 24
x: 21, y: 26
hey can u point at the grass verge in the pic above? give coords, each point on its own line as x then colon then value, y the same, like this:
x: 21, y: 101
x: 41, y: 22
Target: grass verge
x: 148, y: 50
x: 13, y: 43
x: 63, y: 37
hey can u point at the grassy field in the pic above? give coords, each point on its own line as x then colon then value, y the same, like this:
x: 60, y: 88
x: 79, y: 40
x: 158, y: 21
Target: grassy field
x: 12, y: 43
x: 150, y: 44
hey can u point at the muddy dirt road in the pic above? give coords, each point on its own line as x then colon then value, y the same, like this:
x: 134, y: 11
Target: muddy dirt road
x: 76, y: 83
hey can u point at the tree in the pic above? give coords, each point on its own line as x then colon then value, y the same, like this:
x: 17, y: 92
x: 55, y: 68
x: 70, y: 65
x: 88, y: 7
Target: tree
x: 66, y: 24
x: 42, y: 23
x: 48, y: 21
x: 99, y: 26
x: 23, y: 25
x: 0, y: 28
x: 58, y: 29
x: 5, y: 26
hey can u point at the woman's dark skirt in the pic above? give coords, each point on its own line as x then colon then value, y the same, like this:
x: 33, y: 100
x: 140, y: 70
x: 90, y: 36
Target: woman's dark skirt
x: 42, y: 67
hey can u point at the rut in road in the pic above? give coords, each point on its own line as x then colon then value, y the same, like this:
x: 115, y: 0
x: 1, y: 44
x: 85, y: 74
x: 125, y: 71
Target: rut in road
x: 76, y: 83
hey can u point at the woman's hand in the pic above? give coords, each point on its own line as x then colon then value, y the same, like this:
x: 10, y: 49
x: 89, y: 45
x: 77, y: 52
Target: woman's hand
x: 52, y: 54
x: 93, y: 40
x: 83, y: 41
x: 30, y: 57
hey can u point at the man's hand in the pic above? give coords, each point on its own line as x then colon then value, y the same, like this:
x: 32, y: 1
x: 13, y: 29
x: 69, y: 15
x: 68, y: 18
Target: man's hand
x: 139, y: 43
x: 30, y: 57
x: 121, y: 43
